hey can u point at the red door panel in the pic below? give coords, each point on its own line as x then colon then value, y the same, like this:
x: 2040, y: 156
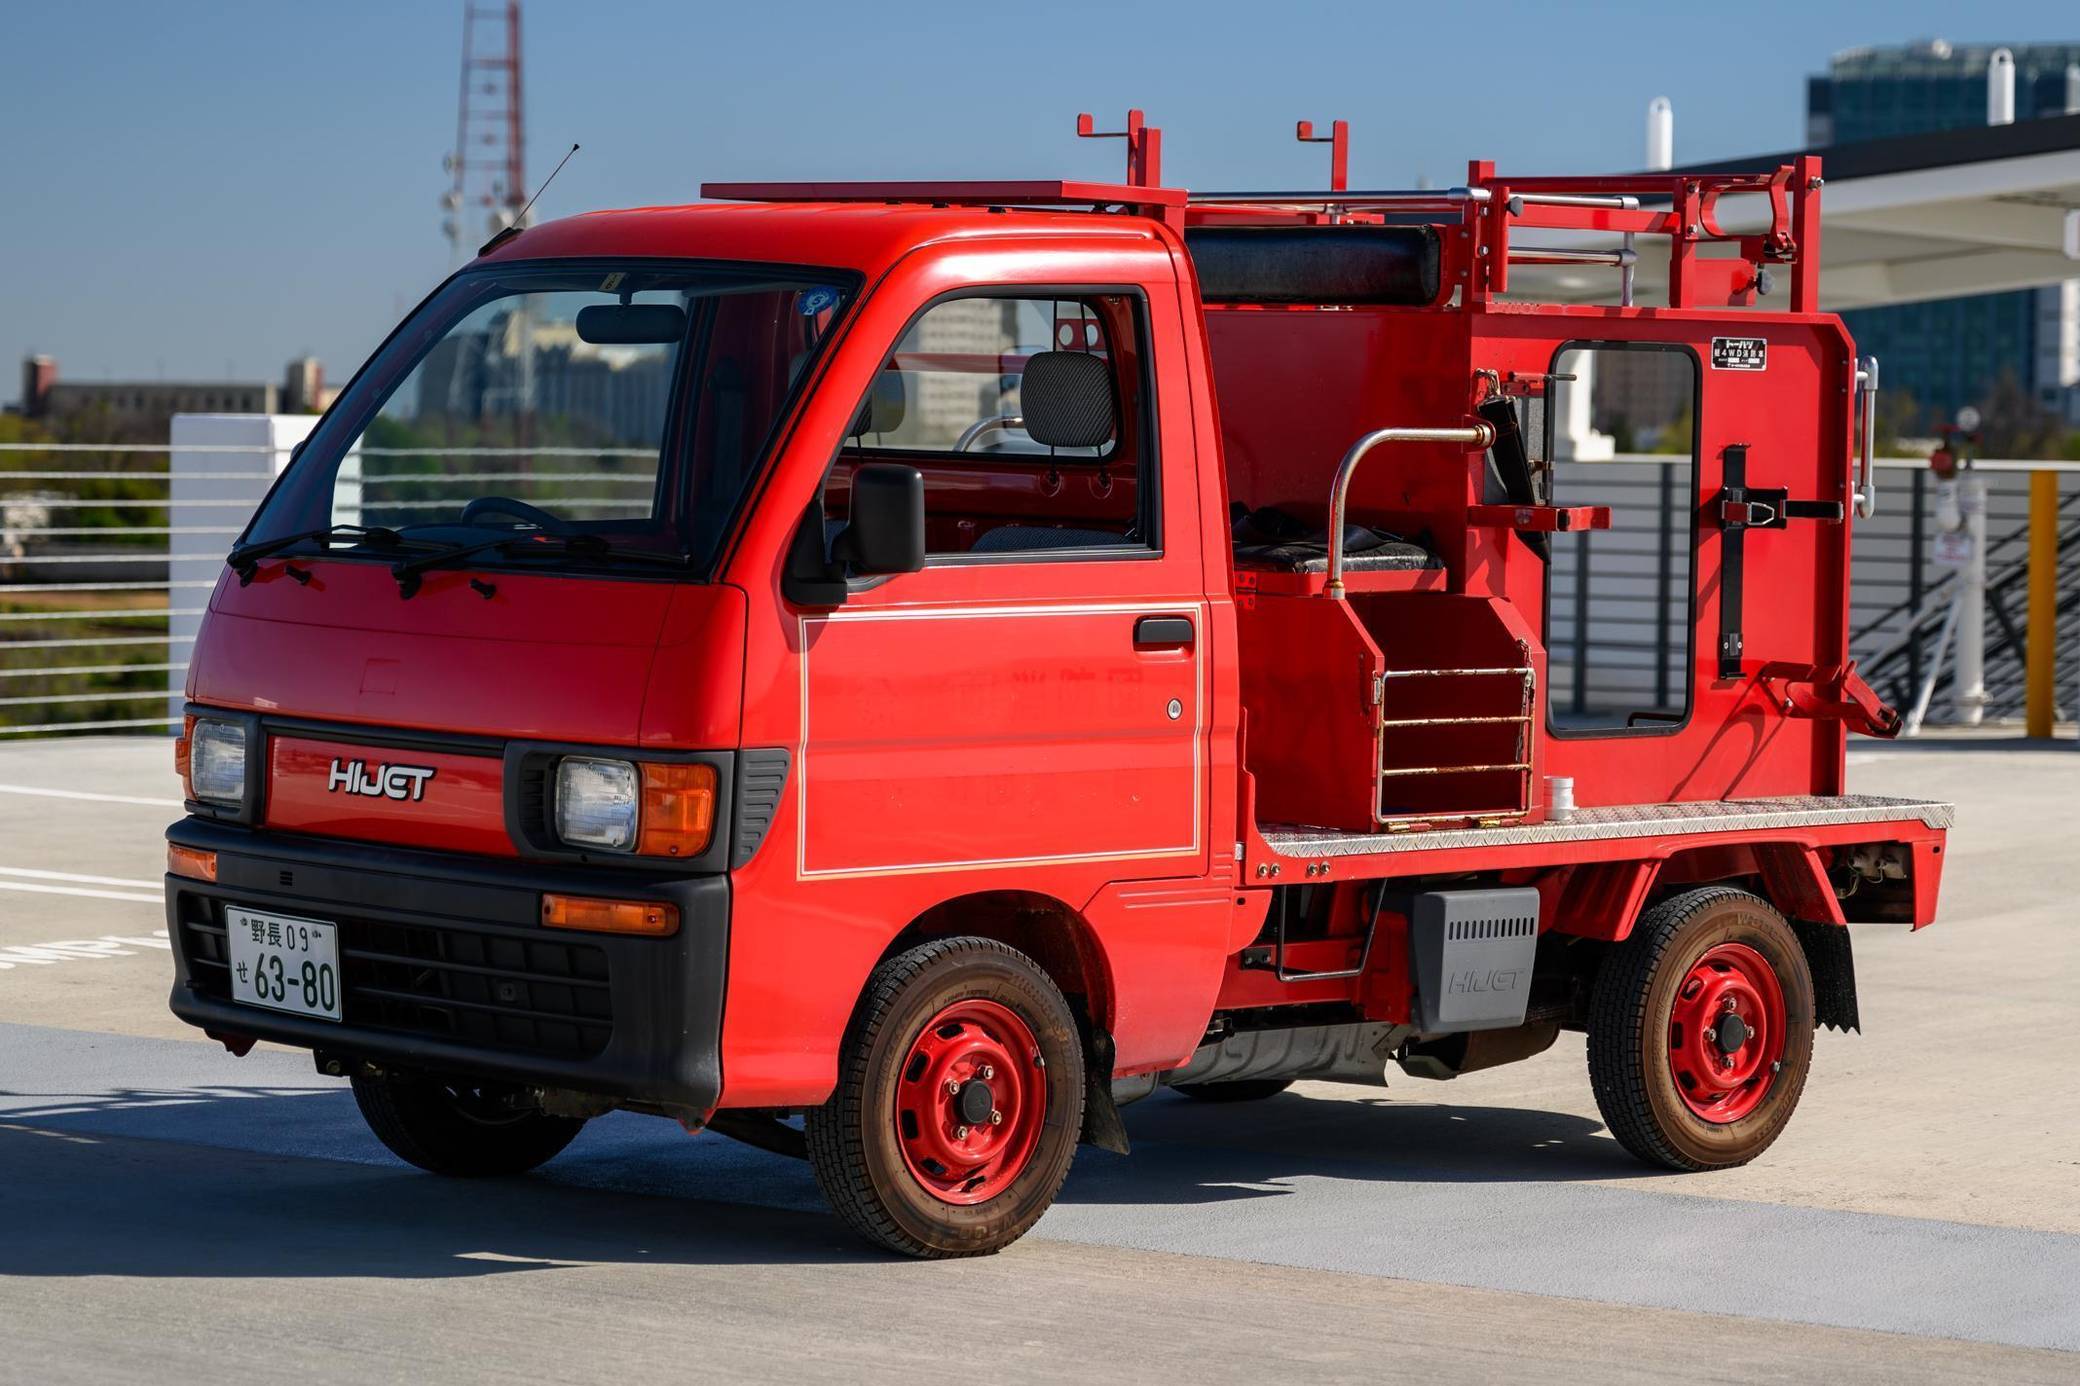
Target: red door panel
x: 948, y: 738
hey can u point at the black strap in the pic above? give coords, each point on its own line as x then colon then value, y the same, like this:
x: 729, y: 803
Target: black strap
x: 1741, y: 508
x: 1733, y: 545
x: 1513, y: 465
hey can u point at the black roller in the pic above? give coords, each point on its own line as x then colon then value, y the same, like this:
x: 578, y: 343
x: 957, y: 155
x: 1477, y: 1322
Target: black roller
x: 1315, y: 264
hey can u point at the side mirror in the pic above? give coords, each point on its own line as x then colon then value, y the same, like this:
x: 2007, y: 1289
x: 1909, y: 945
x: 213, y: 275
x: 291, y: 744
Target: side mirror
x: 886, y: 531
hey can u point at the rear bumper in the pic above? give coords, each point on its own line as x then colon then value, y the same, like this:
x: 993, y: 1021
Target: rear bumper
x: 446, y: 966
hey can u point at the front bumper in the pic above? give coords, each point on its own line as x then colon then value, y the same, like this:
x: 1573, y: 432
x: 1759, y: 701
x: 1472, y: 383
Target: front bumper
x: 446, y: 966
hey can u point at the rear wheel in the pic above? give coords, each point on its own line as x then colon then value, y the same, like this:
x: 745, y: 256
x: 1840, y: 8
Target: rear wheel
x: 460, y: 1126
x: 958, y: 1104
x: 1235, y: 1089
x: 1701, y: 1031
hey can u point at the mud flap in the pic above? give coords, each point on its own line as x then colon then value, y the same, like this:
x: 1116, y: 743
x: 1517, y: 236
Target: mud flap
x: 1102, y: 1125
x: 1828, y: 954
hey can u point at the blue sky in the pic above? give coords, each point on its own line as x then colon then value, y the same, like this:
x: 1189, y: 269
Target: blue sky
x: 191, y: 189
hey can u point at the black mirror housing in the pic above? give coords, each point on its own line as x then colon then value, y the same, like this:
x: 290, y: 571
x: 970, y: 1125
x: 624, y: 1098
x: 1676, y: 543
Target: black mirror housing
x: 886, y: 531
x: 631, y: 324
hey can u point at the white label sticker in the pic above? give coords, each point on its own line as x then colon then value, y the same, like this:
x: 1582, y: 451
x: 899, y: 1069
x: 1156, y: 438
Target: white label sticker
x: 1740, y: 354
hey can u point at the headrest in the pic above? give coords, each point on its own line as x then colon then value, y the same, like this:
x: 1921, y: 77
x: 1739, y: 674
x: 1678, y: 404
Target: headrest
x: 886, y: 405
x: 1066, y: 399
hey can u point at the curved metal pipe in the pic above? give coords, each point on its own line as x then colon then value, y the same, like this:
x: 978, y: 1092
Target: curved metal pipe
x: 981, y: 426
x: 1477, y: 435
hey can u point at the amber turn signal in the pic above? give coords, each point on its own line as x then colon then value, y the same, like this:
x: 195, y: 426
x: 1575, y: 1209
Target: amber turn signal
x: 678, y: 814
x: 191, y: 862
x: 182, y: 745
x: 645, y: 917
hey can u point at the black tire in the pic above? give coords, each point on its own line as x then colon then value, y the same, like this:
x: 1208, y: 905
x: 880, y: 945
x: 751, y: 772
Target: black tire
x: 1636, y: 1080
x: 854, y: 1144
x: 1235, y: 1089
x: 457, y: 1126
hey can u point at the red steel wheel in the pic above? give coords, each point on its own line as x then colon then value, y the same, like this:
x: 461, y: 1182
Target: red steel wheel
x: 1726, y: 1032
x: 970, y: 1102
x: 1701, y: 1030
x: 958, y: 1103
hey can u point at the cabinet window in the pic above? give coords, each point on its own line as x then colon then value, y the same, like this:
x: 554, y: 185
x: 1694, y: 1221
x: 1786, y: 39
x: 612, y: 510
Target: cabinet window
x: 1026, y: 416
x: 1621, y: 431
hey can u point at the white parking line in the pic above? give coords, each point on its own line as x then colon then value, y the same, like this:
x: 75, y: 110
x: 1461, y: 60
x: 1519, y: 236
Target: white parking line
x: 40, y: 792
x: 29, y: 873
x: 83, y: 893
x: 80, y: 949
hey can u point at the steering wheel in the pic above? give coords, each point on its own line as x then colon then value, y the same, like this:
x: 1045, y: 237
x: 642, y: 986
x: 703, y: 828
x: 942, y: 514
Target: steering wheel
x: 474, y: 512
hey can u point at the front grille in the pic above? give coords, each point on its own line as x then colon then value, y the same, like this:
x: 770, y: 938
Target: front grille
x: 469, y: 986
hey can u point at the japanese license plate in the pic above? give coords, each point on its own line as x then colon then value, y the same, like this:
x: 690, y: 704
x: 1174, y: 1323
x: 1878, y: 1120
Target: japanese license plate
x: 283, y: 963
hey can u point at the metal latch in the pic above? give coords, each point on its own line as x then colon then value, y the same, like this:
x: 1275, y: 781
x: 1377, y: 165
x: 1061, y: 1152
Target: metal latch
x: 1757, y: 507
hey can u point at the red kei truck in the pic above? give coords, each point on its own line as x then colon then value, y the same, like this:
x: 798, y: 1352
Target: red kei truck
x: 942, y: 660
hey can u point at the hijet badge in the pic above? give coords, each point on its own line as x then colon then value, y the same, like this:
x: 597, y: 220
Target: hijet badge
x: 1740, y: 354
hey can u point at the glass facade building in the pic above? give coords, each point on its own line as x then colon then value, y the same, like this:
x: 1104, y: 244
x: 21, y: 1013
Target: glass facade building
x: 1948, y: 353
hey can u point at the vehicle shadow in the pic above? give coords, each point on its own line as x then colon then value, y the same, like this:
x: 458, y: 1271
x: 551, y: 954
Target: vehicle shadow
x: 1193, y: 1152
x: 223, y: 1181
x: 84, y: 1204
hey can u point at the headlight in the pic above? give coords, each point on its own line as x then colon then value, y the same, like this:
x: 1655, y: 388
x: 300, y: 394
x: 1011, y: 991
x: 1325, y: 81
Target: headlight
x: 596, y: 803
x: 217, y: 762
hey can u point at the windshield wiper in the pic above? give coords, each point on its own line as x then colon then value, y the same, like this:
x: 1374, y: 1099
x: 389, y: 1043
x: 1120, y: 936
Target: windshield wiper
x: 246, y: 557
x: 408, y: 571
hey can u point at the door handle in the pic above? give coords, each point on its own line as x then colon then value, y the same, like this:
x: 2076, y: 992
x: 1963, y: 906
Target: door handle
x: 1160, y: 632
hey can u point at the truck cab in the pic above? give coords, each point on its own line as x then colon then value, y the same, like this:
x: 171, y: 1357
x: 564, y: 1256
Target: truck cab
x: 943, y: 661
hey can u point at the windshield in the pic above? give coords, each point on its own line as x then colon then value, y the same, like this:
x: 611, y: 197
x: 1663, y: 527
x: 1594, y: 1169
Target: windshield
x: 632, y: 402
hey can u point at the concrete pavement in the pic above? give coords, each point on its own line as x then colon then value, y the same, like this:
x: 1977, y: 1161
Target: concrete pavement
x: 173, y: 1212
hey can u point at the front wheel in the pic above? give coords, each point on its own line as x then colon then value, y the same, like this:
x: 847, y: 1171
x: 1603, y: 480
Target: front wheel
x: 1701, y: 1031
x: 958, y: 1105
x: 460, y: 1126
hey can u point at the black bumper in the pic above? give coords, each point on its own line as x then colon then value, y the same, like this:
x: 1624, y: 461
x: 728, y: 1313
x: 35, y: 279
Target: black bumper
x: 447, y: 967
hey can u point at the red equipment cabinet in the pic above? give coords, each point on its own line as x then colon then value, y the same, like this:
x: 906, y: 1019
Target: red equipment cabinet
x: 964, y: 792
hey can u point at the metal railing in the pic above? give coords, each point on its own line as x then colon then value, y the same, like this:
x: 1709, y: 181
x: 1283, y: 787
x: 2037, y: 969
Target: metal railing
x: 108, y: 553
x: 1619, y: 625
x: 100, y: 562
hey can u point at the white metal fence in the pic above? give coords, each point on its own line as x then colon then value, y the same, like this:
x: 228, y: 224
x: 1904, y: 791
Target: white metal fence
x: 1619, y: 631
x: 108, y: 552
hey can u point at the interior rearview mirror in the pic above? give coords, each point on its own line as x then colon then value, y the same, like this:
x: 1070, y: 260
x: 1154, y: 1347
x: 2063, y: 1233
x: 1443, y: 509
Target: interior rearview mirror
x: 886, y: 531
x: 631, y: 324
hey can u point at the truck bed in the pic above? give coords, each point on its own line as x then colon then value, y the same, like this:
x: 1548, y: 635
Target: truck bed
x: 1591, y: 834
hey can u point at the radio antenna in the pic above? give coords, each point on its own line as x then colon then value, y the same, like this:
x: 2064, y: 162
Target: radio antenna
x: 511, y: 230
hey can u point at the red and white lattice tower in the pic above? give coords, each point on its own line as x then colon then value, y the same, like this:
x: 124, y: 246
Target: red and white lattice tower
x: 489, y: 162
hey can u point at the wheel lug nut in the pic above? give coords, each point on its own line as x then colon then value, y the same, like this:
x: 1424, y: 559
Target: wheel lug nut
x: 996, y: 1118
x: 988, y: 1073
x: 960, y: 1133
x: 953, y: 1085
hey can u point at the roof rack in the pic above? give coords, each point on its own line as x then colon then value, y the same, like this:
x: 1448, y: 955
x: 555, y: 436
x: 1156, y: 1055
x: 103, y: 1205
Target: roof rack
x: 1488, y: 208
x: 1032, y: 192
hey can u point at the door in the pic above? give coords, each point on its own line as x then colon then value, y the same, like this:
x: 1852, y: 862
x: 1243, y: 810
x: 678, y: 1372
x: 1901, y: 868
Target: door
x: 1038, y: 693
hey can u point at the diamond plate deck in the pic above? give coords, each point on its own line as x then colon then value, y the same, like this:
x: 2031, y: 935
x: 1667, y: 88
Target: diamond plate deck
x: 1627, y: 820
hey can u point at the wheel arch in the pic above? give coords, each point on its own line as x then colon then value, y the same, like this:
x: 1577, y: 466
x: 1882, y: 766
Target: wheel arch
x: 1605, y: 900
x: 1045, y: 929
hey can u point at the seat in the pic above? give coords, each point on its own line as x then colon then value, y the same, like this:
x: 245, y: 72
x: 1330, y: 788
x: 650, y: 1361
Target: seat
x: 1271, y: 538
x: 1388, y: 556
x: 1066, y: 398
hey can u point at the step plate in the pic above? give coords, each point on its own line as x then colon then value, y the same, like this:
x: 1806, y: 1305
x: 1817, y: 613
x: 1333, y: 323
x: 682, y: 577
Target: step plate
x: 1624, y: 820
